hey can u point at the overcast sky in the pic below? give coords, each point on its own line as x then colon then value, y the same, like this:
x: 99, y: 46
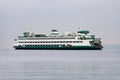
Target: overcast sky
x: 101, y: 17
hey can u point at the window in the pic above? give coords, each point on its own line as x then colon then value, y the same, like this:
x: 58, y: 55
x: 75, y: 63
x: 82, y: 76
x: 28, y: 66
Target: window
x: 63, y: 41
x: 81, y: 41
x: 74, y: 41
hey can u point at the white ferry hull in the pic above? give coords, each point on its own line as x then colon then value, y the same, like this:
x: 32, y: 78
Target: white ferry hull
x: 80, y: 41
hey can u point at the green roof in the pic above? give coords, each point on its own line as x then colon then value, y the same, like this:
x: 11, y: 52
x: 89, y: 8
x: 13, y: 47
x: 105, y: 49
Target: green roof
x: 83, y: 31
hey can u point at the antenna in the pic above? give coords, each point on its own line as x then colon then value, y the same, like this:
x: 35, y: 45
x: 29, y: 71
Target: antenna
x: 31, y: 29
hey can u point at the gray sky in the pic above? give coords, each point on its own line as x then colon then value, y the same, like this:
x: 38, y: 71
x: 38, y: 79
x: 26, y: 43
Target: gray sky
x: 101, y: 17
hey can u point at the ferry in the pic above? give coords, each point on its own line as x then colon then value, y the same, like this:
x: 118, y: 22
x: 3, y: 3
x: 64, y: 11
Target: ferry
x: 81, y: 40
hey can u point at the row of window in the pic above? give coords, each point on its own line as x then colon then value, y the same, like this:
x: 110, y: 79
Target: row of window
x: 44, y: 38
x: 54, y: 42
x: 43, y: 45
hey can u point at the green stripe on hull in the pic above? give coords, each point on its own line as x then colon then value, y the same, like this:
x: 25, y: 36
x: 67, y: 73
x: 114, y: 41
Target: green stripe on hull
x: 59, y: 47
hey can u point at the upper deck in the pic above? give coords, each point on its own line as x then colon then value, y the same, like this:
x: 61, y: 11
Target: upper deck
x: 54, y: 34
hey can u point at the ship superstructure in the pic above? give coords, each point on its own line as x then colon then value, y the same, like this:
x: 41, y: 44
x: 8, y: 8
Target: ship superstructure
x: 80, y: 40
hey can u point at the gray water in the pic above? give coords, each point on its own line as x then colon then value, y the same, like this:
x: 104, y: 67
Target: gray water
x: 60, y: 64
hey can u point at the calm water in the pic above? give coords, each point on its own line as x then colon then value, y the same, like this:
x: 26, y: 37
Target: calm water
x: 61, y: 64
